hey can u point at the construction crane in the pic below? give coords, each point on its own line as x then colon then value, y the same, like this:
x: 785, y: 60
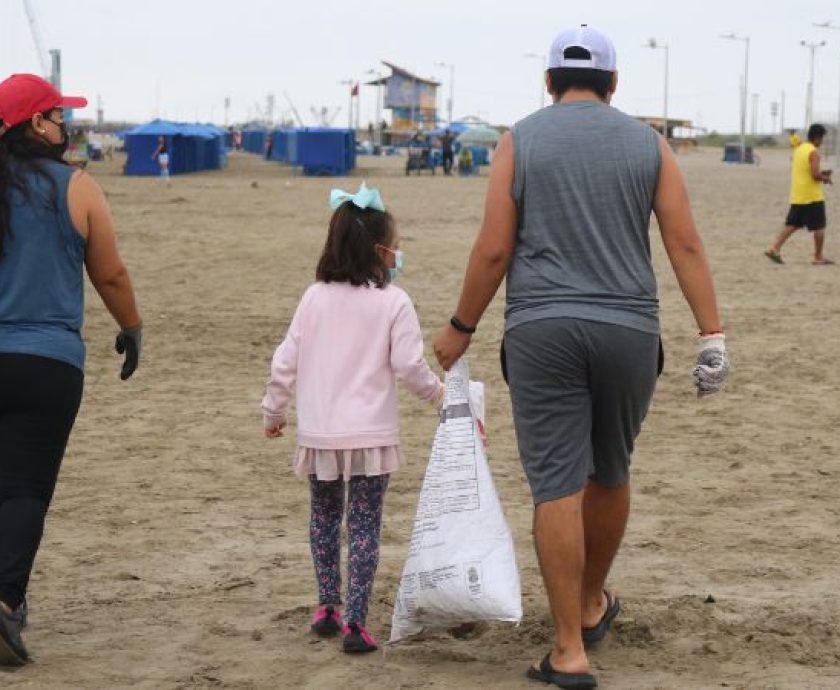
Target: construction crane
x: 294, y: 110
x: 323, y: 117
x: 50, y: 59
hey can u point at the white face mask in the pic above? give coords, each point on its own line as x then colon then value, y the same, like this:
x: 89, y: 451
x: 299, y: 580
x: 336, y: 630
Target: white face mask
x: 398, y: 265
x: 398, y: 262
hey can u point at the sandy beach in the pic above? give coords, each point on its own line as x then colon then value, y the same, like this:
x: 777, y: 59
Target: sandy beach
x: 176, y: 553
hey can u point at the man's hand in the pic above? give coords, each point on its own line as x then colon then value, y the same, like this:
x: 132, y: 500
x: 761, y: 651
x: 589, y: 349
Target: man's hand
x: 450, y: 345
x: 712, y: 368
x: 826, y: 176
x: 129, y: 342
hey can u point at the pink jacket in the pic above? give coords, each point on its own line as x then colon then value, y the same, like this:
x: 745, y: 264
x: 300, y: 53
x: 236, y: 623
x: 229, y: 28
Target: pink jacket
x: 346, y: 347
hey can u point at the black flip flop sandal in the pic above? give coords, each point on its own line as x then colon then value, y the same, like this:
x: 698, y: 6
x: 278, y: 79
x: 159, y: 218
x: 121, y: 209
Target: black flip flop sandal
x: 569, y: 681
x: 592, y: 636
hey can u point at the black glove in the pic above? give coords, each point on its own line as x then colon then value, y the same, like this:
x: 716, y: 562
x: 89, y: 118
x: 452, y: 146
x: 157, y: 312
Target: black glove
x: 129, y: 341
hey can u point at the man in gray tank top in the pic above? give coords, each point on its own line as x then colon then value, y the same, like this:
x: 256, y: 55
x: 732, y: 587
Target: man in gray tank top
x: 568, y: 206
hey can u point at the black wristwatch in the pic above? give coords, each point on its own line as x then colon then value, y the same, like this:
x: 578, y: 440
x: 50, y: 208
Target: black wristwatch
x: 460, y: 326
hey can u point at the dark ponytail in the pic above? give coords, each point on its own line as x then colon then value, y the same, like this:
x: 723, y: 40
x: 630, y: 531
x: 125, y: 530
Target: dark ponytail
x: 20, y: 153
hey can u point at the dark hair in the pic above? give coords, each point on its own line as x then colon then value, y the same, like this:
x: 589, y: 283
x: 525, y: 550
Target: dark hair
x: 19, y: 152
x: 816, y: 131
x: 565, y: 78
x: 350, y: 254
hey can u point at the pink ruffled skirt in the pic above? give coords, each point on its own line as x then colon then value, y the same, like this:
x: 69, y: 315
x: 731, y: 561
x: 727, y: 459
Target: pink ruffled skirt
x: 329, y: 465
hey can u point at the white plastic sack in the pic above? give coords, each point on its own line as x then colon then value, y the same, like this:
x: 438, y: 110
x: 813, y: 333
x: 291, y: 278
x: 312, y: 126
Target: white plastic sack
x: 461, y: 565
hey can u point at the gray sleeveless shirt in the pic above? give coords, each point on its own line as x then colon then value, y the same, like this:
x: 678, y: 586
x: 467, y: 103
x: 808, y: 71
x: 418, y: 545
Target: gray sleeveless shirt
x: 584, y: 184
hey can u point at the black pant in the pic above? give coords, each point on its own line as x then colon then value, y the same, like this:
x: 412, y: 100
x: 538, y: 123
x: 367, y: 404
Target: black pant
x: 448, y: 158
x: 39, y: 399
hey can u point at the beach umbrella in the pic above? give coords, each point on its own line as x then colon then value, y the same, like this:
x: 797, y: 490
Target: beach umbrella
x: 482, y: 136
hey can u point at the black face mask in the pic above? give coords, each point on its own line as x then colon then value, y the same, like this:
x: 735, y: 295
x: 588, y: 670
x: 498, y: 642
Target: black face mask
x: 58, y: 150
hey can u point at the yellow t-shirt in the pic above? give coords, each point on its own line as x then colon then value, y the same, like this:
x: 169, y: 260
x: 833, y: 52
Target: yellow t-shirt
x: 794, y: 140
x: 804, y: 189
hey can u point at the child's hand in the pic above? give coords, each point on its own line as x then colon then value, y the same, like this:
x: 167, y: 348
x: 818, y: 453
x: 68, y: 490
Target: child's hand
x: 275, y: 430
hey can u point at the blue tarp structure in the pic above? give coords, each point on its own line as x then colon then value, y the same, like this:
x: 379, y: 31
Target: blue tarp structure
x: 480, y: 154
x: 326, y: 151
x: 732, y: 153
x: 191, y: 148
x: 253, y: 140
x: 318, y: 150
x: 284, y: 146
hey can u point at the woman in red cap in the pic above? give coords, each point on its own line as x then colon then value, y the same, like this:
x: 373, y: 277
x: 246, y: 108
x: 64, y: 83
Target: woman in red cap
x: 54, y: 221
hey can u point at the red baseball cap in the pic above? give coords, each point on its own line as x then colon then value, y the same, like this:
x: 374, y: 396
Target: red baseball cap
x: 24, y: 95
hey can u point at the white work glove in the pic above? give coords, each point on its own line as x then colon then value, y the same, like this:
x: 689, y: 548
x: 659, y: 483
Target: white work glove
x: 712, y: 364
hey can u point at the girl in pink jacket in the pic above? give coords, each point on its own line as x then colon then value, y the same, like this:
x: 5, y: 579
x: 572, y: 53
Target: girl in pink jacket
x: 353, y: 335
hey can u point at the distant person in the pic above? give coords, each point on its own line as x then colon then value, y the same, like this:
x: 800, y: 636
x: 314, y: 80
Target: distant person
x: 446, y: 142
x: 161, y: 154
x: 807, y: 198
x: 569, y: 229
x: 54, y: 221
x: 269, y: 145
x: 353, y: 335
x: 794, y: 139
x: 465, y: 161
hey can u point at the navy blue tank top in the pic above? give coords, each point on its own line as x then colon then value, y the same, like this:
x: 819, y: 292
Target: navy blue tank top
x: 41, y: 270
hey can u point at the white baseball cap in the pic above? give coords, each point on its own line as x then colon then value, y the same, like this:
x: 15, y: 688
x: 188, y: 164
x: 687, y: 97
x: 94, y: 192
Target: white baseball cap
x: 600, y: 50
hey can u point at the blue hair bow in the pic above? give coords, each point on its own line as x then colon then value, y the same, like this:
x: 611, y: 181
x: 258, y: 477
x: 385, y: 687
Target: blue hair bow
x: 366, y: 197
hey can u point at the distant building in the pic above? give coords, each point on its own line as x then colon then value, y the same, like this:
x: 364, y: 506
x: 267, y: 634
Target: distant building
x: 411, y: 99
x: 686, y: 127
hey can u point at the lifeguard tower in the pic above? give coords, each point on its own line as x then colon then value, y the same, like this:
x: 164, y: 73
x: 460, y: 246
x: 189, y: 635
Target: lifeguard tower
x: 411, y: 99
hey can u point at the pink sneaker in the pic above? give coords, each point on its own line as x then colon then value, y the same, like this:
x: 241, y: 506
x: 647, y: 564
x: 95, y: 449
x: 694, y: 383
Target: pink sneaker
x: 327, y: 621
x: 357, y: 639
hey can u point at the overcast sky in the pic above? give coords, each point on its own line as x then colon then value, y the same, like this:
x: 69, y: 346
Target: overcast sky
x: 180, y: 59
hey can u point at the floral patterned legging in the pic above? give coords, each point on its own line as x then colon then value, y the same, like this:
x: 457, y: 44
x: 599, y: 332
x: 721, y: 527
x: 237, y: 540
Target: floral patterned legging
x: 364, y: 520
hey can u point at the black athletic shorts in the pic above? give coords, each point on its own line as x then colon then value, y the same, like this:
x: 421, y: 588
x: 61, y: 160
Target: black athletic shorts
x: 811, y: 216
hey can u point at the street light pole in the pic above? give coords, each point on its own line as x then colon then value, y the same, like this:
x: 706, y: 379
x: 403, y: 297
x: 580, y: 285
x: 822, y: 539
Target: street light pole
x: 746, y: 41
x: 653, y: 43
x: 809, y: 103
x: 450, y: 104
x: 378, y: 129
x: 542, y: 58
x: 349, y: 83
x: 834, y: 27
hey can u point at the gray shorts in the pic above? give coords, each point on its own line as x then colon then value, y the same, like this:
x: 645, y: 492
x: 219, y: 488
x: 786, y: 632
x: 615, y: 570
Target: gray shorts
x: 580, y: 390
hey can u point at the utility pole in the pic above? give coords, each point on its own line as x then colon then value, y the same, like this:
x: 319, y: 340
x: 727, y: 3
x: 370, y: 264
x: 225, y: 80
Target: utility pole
x: 227, y: 109
x: 652, y: 43
x: 349, y: 84
x: 754, y: 114
x: 774, y: 113
x: 544, y: 60
x: 782, y: 113
x: 834, y: 27
x: 450, y: 103
x: 746, y: 42
x: 809, y: 101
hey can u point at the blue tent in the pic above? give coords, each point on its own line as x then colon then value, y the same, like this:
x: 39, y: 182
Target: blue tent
x: 326, y: 151
x: 319, y: 150
x: 191, y: 147
x: 253, y: 140
x: 284, y: 146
